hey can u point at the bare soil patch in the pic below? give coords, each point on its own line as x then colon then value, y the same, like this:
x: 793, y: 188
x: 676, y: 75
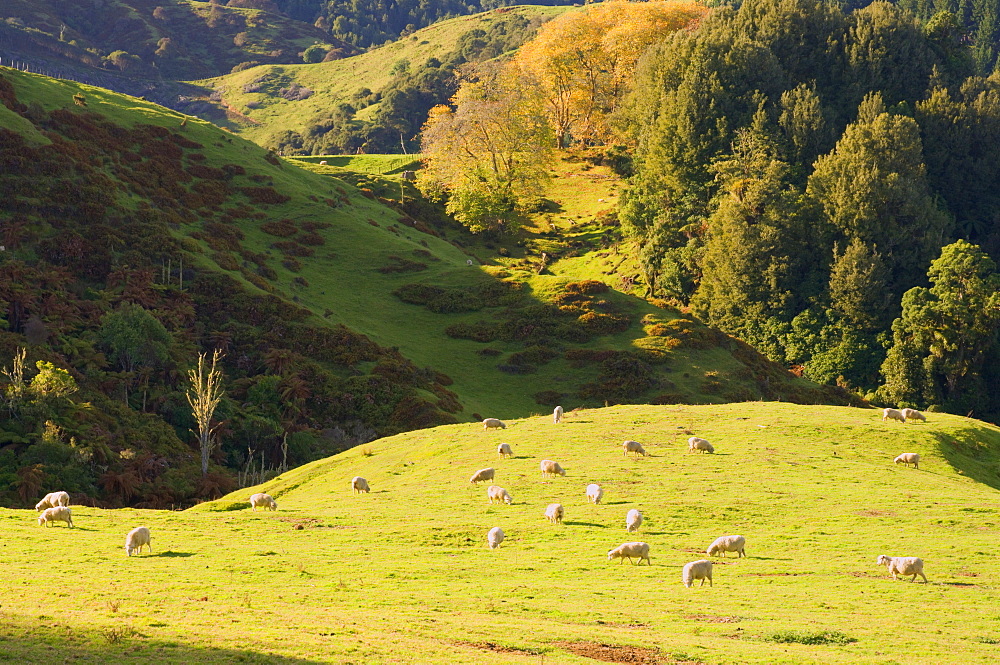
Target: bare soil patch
x: 620, y: 653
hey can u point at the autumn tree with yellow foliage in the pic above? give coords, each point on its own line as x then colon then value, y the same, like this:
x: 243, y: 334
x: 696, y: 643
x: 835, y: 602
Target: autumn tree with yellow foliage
x: 585, y: 60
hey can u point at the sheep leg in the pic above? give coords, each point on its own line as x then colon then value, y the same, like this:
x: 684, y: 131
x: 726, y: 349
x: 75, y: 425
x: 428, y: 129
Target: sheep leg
x: 923, y: 576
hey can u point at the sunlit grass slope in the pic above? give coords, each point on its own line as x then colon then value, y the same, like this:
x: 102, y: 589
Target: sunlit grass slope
x: 403, y: 574
x: 334, y: 82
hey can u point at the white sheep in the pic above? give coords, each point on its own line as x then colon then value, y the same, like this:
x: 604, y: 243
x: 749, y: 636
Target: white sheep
x: 628, y: 550
x: 322, y: 162
x: 493, y: 423
x: 263, y: 501
x: 554, y: 513
x: 903, y: 565
x: 482, y: 475
x: 503, y: 450
x: 557, y: 415
x: 908, y: 459
x: 893, y: 414
x: 724, y: 544
x: 53, y: 499
x: 697, y: 570
x: 498, y: 494
x: 56, y: 514
x: 136, y: 538
x: 913, y: 414
x: 633, y: 447
x: 359, y: 485
x: 551, y: 469
x: 495, y: 537
x: 594, y: 493
x: 633, y: 520
x: 697, y: 443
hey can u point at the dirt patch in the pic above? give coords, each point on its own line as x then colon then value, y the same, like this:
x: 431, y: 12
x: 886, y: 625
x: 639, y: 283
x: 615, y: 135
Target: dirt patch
x: 967, y: 573
x: 501, y: 648
x: 867, y: 575
x: 712, y: 618
x: 619, y: 653
x: 870, y: 512
x: 775, y: 574
x: 623, y: 625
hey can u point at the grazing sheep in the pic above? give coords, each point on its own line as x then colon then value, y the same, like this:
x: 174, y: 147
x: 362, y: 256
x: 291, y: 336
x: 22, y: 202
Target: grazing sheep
x: 482, y: 475
x: 633, y: 520
x: 498, y: 494
x: 628, y: 550
x: 359, y: 485
x: 551, y: 469
x: 557, y: 415
x: 903, y: 565
x: 913, y: 414
x: 697, y: 570
x: 494, y: 537
x: 263, y: 500
x: 136, y: 538
x: 633, y: 447
x: 493, y: 423
x: 322, y: 162
x: 53, y: 499
x: 696, y: 443
x: 503, y: 450
x: 893, y: 414
x: 724, y: 544
x: 908, y: 459
x: 554, y: 513
x: 56, y: 514
x: 594, y: 493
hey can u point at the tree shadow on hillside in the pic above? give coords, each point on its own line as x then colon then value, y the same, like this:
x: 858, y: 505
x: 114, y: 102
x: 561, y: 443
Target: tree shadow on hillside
x: 29, y: 642
x: 973, y: 452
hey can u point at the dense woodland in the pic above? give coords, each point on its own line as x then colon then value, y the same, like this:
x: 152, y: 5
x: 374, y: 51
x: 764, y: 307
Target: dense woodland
x: 796, y: 171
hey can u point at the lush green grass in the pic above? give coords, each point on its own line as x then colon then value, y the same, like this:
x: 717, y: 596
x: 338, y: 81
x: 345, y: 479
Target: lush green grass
x: 403, y: 574
x: 373, y: 164
x: 336, y: 81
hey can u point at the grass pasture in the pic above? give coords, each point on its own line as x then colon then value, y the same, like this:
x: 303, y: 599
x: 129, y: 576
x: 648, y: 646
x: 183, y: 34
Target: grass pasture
x: 403, y: 574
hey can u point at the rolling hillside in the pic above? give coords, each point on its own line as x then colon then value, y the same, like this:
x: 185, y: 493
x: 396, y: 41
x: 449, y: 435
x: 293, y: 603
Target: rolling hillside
x: 403, y: 574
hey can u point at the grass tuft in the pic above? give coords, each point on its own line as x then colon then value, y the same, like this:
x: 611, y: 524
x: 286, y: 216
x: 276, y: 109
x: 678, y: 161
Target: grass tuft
x: 810, y: 637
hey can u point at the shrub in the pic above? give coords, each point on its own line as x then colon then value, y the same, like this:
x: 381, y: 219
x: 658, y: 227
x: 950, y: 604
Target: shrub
x: 538, y: 355
x: 806, y: 637
x: 265, y: 195
x: 586, y: 287
x: 477, y: 332
x: 548, y: 397
x: 283, y: 228
x: 604, y: 324
x: 399, y: 264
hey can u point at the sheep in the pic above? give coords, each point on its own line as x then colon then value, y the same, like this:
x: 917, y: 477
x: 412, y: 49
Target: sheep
x: 633, y: 520
x: 263, y: 500
x: 136, y: 538
x: 908, y: 459
x: 724, y: 544
x: 503, y: 450
x: 557, y: 415
x: 322, y: 162
x: 913, y: 414
x: 893, y: 414
x: 696, y: 443
x: 551, y: 469
x: 903, y: 565
x: 53, y: 499
x: 594, y: 493
x: 493, y: 423
x: 633, y: 447
x: 628, y: 550
x: 56, y: 514
x: 482, y: 476
x: 498, y: 494
x: 359, y: 485
x: 554, y: 513
x: 697, y: 570
x: 494, y: 537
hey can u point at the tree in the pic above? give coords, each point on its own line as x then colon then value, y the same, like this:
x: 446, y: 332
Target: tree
x: 133, y: 337
x: 314, y: 54
x: 52, y: 380
x: 946, y: 333
x: 487, y: 156
x: 204, y: 396
x: 15, y: 388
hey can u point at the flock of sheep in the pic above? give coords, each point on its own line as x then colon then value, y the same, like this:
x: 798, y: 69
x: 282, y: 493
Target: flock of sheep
x: 54, y: 507
x: 695, y: 570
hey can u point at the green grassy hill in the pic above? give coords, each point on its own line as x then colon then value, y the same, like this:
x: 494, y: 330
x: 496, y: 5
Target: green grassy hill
x: 403, y: 573
x: 257, y: 111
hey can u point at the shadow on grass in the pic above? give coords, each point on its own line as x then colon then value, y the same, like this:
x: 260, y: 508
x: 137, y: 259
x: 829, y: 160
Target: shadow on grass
x: 25, y: 641
x: 171, y: 554
x: 974, y: 452
x: 599, y: 526
x: 614, y: 503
